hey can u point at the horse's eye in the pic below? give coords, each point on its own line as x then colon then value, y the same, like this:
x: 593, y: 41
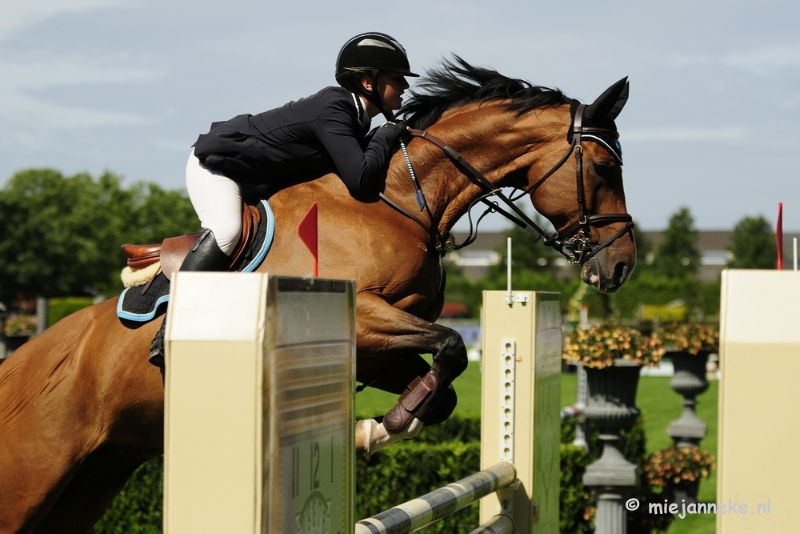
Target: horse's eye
x: 604, y: 169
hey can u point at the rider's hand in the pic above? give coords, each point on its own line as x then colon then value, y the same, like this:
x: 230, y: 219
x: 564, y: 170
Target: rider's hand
x: 400, y: 127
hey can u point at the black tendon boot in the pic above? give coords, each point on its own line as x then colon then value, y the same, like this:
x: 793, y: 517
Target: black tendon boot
x: 419, y: 401
x: 205, y: 255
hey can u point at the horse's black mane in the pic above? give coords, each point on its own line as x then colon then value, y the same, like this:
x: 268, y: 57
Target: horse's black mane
x: 457, y: 83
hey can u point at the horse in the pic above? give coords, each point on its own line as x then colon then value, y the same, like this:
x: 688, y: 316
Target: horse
x: 81, y: 407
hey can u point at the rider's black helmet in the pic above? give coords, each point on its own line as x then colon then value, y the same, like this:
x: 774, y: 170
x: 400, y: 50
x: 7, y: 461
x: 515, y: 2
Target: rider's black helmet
x: 369, y: 53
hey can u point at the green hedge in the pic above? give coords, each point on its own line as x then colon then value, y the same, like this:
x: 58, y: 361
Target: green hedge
x: 409, y: 469
x: 58, y: 308
x: 439, y: 455
x: 138, y: 507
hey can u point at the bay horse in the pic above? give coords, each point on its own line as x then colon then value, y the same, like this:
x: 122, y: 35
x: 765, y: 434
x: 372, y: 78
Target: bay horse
x: 81, y: 408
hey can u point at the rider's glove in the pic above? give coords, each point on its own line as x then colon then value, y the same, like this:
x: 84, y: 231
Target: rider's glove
x: 401, y: 129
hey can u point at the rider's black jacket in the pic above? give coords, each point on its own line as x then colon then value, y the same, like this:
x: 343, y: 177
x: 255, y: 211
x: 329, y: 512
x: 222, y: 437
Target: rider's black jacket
x: 303, y: 139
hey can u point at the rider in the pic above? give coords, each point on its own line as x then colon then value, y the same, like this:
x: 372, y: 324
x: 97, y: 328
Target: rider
x: 310, y: 137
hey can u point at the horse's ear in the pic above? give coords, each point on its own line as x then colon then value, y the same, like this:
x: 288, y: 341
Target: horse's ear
x: 610, y: 103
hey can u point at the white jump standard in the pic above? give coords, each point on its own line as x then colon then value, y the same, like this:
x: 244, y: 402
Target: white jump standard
x: 259, y: 405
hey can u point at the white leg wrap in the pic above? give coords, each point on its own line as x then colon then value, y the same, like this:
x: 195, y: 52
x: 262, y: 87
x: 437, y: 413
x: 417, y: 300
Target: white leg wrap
x: 371, y: 436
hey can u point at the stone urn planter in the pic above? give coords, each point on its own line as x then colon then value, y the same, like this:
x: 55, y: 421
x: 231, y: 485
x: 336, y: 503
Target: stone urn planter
x: 611, y: 402
x: 612, y: 356
x: 611, y: 407
x: 688, y: 381
x: 688, y: 345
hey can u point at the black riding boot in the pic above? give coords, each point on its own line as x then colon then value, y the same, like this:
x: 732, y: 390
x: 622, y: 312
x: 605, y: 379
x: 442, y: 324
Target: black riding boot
x: 205, y: 255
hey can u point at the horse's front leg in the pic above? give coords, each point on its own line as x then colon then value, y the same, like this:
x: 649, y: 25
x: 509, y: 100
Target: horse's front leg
x: 387, y: 335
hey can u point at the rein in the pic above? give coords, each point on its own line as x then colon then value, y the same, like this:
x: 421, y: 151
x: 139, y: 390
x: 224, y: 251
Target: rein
x: 573, y: 242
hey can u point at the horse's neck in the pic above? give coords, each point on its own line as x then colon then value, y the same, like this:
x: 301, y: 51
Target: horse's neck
x: 494, y: 141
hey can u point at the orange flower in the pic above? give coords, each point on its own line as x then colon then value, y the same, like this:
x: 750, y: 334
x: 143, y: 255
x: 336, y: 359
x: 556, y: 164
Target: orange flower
x: 598, y: 346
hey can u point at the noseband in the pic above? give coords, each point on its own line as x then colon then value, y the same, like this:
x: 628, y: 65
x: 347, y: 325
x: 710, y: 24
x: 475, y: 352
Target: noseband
x: 574, y: 240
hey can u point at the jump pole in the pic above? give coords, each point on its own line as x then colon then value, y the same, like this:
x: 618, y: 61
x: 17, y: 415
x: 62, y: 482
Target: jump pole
x: 438, y: 504
x: 259, y: 392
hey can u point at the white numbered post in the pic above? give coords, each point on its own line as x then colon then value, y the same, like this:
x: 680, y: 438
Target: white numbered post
x: 259, y: 397
x: 520, y: 412
x: 758, y: 419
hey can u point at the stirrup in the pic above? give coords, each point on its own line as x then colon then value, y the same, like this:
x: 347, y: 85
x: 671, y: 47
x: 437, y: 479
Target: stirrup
x: 418, y: 401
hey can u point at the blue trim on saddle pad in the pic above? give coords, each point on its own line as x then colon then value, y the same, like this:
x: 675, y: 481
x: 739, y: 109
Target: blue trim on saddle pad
x: 140, y: 317
x: 143, y: 308
x: 266, y: 244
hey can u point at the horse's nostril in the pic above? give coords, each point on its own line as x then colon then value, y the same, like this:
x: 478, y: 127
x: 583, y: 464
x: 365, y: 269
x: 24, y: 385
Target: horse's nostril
x: 620, y: 272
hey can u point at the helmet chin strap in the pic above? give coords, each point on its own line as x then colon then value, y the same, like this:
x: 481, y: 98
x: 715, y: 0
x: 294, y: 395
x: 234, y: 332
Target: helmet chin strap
x: 374, y: 98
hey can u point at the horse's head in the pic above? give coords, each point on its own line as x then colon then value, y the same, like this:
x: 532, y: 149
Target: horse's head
x: 579, y: 190
x: 503, y: 132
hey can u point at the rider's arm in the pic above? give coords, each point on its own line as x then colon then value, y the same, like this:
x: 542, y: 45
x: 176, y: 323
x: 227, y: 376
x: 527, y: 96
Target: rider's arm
x: 362, y: 170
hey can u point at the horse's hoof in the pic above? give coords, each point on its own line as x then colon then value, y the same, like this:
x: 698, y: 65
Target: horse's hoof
x: 371, y: 436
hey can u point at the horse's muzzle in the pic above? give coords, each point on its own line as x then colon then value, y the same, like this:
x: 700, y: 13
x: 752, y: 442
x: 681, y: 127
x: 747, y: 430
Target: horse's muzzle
x: 606, y: 279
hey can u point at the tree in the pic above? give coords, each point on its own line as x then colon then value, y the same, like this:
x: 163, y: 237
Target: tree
x: 753, y: 244
x: 62, y: 234
x: 526, y: 255
x: 157, y: 213
x: 677, y: 255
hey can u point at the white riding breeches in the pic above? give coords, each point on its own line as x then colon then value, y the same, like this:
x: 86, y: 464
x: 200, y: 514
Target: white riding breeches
x: 218, y: 202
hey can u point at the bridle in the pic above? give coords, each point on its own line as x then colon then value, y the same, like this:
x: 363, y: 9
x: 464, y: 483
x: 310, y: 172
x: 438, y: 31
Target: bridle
x: 573, y: 241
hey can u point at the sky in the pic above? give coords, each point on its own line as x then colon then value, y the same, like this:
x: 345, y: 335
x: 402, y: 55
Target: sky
x: 128, y: 85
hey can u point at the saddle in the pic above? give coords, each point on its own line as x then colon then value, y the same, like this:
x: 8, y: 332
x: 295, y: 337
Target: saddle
x: 172, y: 251
x: 150, y: 267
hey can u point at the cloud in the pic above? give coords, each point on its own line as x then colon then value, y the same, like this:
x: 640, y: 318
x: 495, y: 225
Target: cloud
x: 15, y: 16
x: 762, y: 61
x: 45, y: 116
x: 72, y: 70
x: 26, y: 86
x: 730, y: 133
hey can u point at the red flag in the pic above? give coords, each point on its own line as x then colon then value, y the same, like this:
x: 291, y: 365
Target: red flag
x: 308, y: 233
x: 779, y: 235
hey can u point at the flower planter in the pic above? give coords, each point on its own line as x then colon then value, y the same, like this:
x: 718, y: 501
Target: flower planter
x: 612, y: 357
x: 611, y: 407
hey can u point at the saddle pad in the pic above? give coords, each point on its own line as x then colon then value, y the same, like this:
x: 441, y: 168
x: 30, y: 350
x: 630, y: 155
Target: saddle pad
x: 142, y: 303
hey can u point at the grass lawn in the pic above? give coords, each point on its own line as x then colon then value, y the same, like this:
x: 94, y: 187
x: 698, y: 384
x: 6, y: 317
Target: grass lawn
x: 655, y: 398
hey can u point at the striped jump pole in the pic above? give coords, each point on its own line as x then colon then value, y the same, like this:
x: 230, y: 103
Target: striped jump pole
x: 421, y: 512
